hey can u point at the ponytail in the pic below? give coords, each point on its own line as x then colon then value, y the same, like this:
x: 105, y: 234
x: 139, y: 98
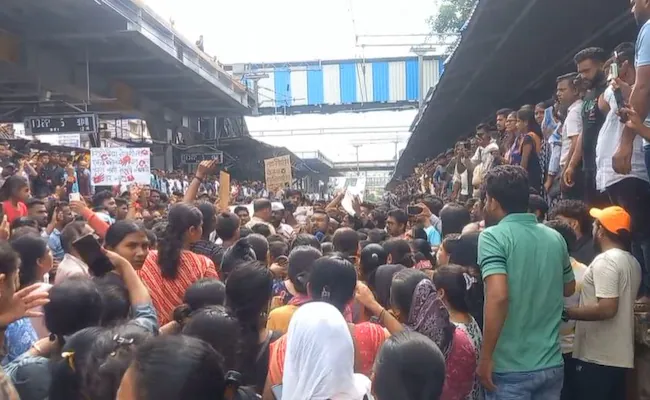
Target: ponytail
x: 463, y: 289
x: 181, y: 218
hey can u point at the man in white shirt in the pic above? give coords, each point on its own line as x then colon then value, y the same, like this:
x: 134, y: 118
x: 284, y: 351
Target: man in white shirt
x: 462, y: 179
x: 277, y: 218
x: 261, y: 214
x: 603, y: 346
x: 632, y: 189
x: 568, y: 96
x: 484, y: 157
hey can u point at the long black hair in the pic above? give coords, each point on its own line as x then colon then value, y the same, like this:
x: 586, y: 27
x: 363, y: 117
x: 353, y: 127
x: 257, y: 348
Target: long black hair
x: 178, y: 367
x: 218, y: 328
x: 202, y: 293
x: 181, y: 217
x: 372, y: 256
x: 67, y: 372
x: 239, y: 253
x: 400, y: 252
x: 333, y: 280
x: 409, y: 366
x: 422, y: 250
x: 529, y: 116
x: 403, y: 287
x: 463, y: 288
x: 301, y: 262
x: 31, y: 248
x: 11, y: 185
x: 95, y: 362
x: 119, y: 230
x: 249, y: 289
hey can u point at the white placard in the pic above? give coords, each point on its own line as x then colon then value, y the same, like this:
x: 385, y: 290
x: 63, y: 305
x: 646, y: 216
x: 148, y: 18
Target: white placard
x: 277, y: 171
x: 119, y: 165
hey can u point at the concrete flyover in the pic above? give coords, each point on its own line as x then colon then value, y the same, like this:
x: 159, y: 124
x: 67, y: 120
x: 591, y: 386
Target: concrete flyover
x: 111, y: 57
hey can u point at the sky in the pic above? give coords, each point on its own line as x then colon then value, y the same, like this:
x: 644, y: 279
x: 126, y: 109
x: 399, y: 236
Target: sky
x: 303, y: 30
x: 293, y: 30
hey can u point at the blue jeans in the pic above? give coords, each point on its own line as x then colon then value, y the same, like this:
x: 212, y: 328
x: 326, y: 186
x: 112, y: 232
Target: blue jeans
x: 545, y: 384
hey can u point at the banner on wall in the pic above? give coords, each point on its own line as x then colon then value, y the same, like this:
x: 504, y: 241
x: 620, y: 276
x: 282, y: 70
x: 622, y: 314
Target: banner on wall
x: 277, y: 171
x: 120, y: 165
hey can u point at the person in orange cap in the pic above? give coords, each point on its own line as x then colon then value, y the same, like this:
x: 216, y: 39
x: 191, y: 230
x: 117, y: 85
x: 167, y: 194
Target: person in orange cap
x: 603, y: 347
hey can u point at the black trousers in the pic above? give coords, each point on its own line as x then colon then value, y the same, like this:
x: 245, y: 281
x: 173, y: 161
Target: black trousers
x: 568, y: 388
x: 633, y: 195
x: 598, y: 382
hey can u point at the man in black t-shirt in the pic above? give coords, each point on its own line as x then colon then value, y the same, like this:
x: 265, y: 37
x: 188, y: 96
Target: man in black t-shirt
x: 589, y: 63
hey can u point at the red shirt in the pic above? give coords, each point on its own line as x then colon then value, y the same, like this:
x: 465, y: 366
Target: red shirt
x: 12, y: 212
x: 167, y: 294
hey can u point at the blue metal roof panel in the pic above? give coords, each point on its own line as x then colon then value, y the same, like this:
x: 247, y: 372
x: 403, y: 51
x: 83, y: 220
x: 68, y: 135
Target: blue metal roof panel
x: 282, y: 87
x: 348, y: 83
x: 315, y: 90
x: 380, y: 81
x: 412, y: 80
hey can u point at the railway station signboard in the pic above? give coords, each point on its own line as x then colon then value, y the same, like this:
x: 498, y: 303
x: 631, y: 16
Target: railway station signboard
x: 60, y: 124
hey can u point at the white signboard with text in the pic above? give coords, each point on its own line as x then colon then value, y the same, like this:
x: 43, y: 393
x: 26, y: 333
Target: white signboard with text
x: 120, y: 165
x: 277, y: 171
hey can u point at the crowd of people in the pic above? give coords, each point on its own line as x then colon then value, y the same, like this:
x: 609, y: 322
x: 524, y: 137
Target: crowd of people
x: 184, y: 300
x: 514, y: 266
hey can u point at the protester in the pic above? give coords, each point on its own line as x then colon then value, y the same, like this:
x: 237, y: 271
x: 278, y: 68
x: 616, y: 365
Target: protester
x: 13, y: 194
x: 512, y: 294
x: 319, y: 361
x: 576, y: 214
x: 462, y: 293
x: 130, y: 241
x: 304, y: 288
x: 567, y: 329
x: 301, y: 261
x: 606, y: 310
x: 172, y: 268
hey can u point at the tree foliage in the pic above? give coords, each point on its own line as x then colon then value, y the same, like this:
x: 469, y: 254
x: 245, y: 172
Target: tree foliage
x: 451, y: 15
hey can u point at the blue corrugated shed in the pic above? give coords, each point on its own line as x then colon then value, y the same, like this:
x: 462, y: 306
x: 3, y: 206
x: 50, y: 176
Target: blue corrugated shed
x: 315, y: 92
x: 348, y: 83
x: 380, y: 81
x: 412, y: 79
x: 282, y: 87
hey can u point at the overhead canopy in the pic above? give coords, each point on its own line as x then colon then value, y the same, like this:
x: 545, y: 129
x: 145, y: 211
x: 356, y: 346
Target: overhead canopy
x: 244, y: 158
x: 510, y: 53
x: 115, y: 54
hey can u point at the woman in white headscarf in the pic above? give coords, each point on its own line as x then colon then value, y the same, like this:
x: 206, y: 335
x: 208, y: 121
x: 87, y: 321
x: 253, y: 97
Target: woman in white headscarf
x: 319, y: 363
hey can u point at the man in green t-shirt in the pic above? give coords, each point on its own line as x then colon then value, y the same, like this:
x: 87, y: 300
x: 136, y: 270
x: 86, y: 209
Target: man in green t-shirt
x: 526, y: 270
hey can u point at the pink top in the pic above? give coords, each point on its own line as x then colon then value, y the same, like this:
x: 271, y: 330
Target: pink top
x: 460, y: 368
